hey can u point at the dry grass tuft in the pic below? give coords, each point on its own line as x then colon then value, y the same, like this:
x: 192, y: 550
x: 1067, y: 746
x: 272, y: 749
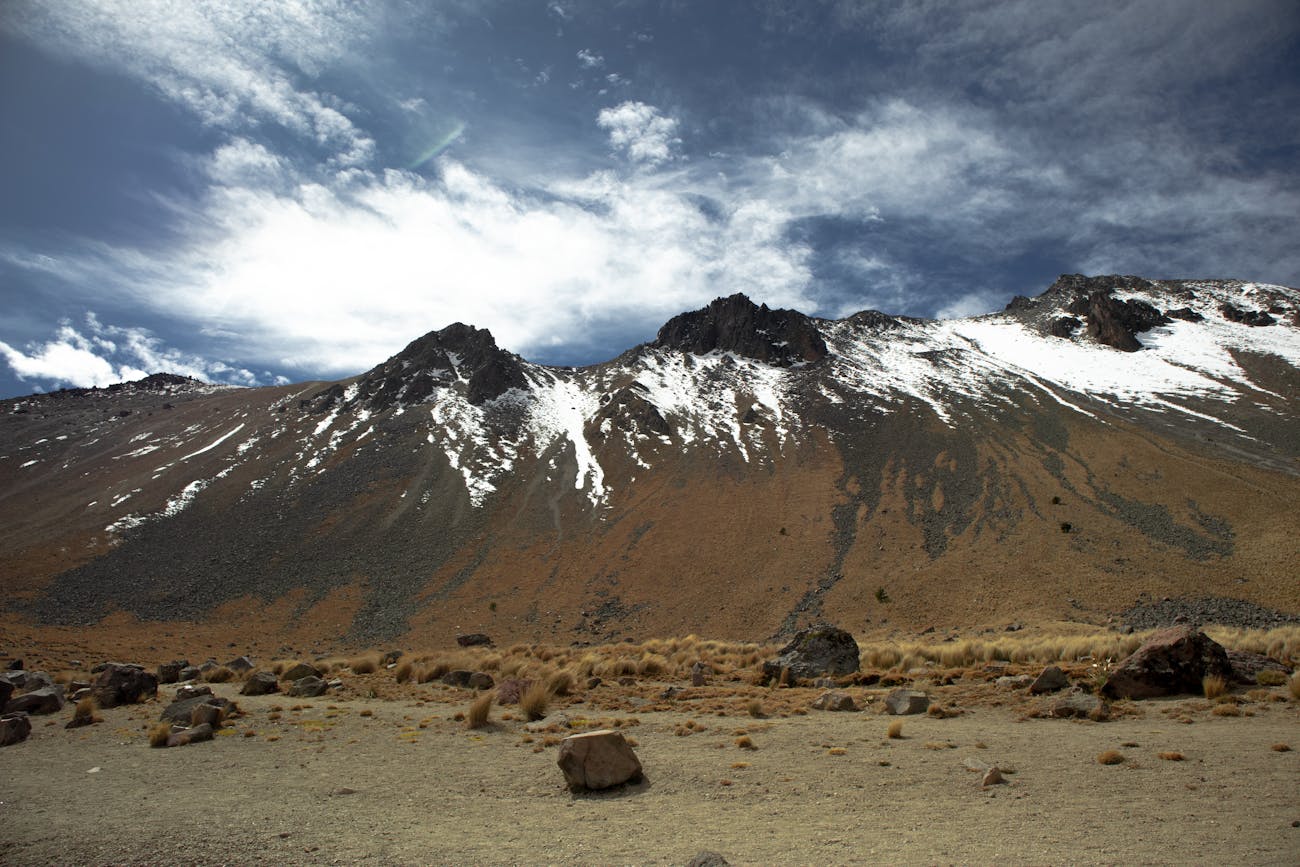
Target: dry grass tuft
x: 560, y: 683
x: 1214, y: 686
x: 1226, y: 710
x: 745, y: 742
x: 1171, y: 756
x: 477, y: 715
x: 1281, y: 748
x: 1269, y: 677
x: 159, y: 734
x: 84, y: 713
x: 895, y: 729
x: 364, y: 664
x: 755, y: 708
x: 405, y: 671
x: 535, y: 701
x: 1110, y: 757
x: 220, y: 674
x: 837, y: 751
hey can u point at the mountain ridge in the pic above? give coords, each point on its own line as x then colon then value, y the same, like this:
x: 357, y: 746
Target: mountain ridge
x: 747, y: 471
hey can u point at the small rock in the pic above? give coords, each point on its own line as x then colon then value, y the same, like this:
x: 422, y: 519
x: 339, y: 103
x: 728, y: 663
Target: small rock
x: 240, y: 664
x: 192, y: 690
x: 992, y: 777
x: 1052, y: 679
x: 1078, y: 705
x: 473, y: 639
x: 699, y: 674
x: 170, y: 672
x: 481, y: 680
x: 671, y: 693
x: 708, y: 858
x: 188, y: 736
x: 902, y: 702
x: 834, y: 700
x: 343, y: 790
x: 191, y: 672
x: 597, y: 760
x: 207, y: 714
x: 181, y: 712
x: 557, y: 720
x: 1014, y: 681
x: 261, y: 683
x: 14, y: 728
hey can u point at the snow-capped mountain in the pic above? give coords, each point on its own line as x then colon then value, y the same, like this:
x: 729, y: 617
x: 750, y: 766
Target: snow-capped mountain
x: 748, y: 470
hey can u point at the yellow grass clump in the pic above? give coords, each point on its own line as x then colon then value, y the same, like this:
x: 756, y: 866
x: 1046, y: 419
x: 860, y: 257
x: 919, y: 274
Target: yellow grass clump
x: 477, y: 715
x: 159, y: 734
x: 534, y: 701
x: 895, y: 729
x: 1110, y: 757
x: 1214, y: 686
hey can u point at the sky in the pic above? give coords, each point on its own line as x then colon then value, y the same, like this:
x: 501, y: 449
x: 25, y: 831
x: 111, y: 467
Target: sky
x: 254, y: 192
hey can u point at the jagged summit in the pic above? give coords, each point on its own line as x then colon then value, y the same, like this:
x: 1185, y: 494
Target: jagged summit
x: 456, y: 355
x: 736, y: 324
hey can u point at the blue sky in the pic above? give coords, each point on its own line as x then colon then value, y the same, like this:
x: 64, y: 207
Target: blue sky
x: 252, y: 192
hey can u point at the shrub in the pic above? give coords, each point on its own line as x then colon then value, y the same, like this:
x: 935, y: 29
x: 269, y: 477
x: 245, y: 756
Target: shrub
x: 1281, y: 748
x: 1270, y: 677
x: 1110, y: 757
x: 364, y: 664
x: 84, y: 713
x: 1214, y: 686
x: 896, y: 729
x: 1226, y: 710
x: 477, y: 716
x: 755, y: 708
x: 220, y: 674
x: 1171, y: 756
x: 560, y: 683
x: 405, y: 671
x: 881, y: 596
x: 535, y: 700
x: 745, y: 742
x: 159, y: 734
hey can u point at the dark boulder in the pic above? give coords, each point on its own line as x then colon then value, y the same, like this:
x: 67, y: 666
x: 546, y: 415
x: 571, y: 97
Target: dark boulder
x: 182, y: 711
x: 1063, y: 326
x: 120, y: 684
x: 301, y: 670
x: 1255, y: 318
x: 1173, y: 661
x: 468, y: 679
x: 813, y: 652
x: 1246, y: 666
x: 191, y: 672
x: 240, y: 664
x: 261, y: 683
x: 195, y: 734
x: 47, y: 699
x: 1051, y: 679
x: 308, y: 687
x: 474, y: 639
x: 14, y: 728
x: 6, y: 692
x: 170, y: 672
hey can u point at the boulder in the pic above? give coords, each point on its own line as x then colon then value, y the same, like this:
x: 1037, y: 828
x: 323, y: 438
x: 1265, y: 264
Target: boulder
x: 170, y: 672
x: 14, y: 665
x: 834, y: 700
x: 192, y: 690
x: 1076, y: 705
x: 183, y: 711
x: 474, y: 639
x: 240, y: 664
x: 597, y: 760
x: 902, y: 702
x: 191, y: 672
x: 207, y: 714
x: 301, y: 670
x: 816, y: 651
x: 1170, y: 662
x: 992, y: 777
x: 511, y: 689
x: 1014, y: 681
x: 14, y: 727
x: 1052, y: 679
x: 700, y: 674
x: 47, y: 699
x: 1246, y: 666
x: 468, y: 679
x: 6, y: 692
x: 27, y: 680
x: 261, y: 683
x: 188, y: 736
x: 120, y: 684
x: 308, y: 687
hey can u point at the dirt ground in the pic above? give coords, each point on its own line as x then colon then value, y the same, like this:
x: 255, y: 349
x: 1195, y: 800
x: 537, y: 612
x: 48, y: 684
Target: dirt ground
x: 396, y: 779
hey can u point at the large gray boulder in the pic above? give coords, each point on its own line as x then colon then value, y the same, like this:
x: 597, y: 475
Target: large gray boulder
x: 308, y: 687
x: 1173, y: 661
x: 14, y: 727
x: 182, y: 712
x: 261, y: 683
x: 47, y: 699
x: 597, y: 760
x: 814, y: 652
x: 301, y: 670
x: 119, y: 683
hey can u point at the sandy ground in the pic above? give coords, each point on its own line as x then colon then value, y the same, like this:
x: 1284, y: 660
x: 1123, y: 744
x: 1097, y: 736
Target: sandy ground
x: 350, y: 779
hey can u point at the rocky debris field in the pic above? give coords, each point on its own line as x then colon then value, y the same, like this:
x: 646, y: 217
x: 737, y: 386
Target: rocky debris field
x: 1237, y: 613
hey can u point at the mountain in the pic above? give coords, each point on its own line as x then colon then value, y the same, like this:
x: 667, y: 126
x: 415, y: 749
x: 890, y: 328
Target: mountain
x: 1113, y: 440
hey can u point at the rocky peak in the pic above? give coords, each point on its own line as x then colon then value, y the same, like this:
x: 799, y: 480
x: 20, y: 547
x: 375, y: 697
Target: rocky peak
x: 736, y: 324
x: 439, y: 359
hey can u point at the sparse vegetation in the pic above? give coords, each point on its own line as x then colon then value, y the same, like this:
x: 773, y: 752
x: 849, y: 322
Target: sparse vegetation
x: 1281, y: 748
x: 1214, y: 686
x: 159, y: 734
x: 367, y: 664
x: 1171, y: 756
x: 1269, y: 677
x: 477, y: 715
x: 754, y: 707
x: 881, y: 596
x: 895, y: 730
x: 220, y: 674
x: 535, y: 700
x: 745, y: 742
x: 1110, y: 757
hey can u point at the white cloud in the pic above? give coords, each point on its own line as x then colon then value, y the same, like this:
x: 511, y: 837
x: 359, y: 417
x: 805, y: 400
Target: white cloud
x: 640, y: 131
x: 589, y: 59
x: 233, y: 63
x: 97, y: 355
